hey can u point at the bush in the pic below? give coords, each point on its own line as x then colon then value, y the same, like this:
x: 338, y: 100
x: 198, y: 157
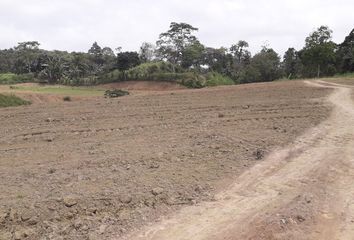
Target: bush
x: 11, y: 78
x: 115, y: 93
x: 12, y: 101
x: 216, y: 79
x: 67, y: 99
x: 155, y: 71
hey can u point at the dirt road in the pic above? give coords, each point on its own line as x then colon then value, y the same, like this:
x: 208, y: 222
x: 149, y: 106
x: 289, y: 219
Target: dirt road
x: 304, y: 191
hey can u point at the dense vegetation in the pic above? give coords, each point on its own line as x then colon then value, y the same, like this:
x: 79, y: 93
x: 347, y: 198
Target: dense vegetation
x: 11, y: 101
x: 178, y: 56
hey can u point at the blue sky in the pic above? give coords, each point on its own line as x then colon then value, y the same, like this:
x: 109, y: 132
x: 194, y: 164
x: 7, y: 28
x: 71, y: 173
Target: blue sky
x: 75, y: 24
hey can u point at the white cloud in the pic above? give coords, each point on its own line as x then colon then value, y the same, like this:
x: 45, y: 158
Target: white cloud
x: 75, y: 24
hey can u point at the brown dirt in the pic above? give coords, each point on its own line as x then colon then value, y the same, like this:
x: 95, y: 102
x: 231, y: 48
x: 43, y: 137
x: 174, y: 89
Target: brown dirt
x: 99, y: 168
x: 303, y: 191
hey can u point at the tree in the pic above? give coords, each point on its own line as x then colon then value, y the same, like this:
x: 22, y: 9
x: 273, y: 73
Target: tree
x: 127, y: 60
x: 192, y: 56
x: 292, y: 64
x: 266, y: 64
x: 54, y: 70
x: 173, y: 43
x: 96, y: 56
x: 218, y: 60
x: 240, y: 57
x: 318, y: 55
x: 109, y: 59
x: 345, y: 54
x: 147, y: 52
x: 239, y: 52
x: 79, y: 65
x: 27, y: 54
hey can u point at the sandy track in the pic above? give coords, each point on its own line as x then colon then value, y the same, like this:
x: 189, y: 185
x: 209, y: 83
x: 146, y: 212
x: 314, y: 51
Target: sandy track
x: 304, y: 191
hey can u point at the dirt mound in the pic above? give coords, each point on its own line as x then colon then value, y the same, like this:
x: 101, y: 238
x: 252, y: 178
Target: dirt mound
x: 143, y: 86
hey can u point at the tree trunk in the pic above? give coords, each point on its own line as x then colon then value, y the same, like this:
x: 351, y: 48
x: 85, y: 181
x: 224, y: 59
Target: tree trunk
x: 318, y: 70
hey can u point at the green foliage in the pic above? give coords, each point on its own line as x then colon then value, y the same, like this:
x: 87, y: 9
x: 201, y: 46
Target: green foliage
x: 344, y: 75
x: 318, y: 56
x: 11, y: 101
x: 249, y: 74
x: 11, y: 78
x: 345, y: 54
x: 155, y: 71
x: 292, y: 65
x: 216, y: 79
x: 264, y: 66
x: 127, y: 60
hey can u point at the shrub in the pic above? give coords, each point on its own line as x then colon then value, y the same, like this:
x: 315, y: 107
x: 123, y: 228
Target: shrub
x: 67, y: 99
x: 115, y: 93
x: 216, y: 79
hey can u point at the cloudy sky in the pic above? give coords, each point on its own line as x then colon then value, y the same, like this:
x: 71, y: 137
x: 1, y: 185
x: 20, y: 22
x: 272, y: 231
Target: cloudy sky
x: 74, y: 25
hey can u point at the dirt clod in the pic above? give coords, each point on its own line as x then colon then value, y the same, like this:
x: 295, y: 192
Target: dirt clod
x: 70, y: 201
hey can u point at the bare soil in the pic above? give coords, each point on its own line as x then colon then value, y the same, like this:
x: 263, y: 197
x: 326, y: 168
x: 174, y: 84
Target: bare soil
x: 101, y: 168
x: 303, y: 191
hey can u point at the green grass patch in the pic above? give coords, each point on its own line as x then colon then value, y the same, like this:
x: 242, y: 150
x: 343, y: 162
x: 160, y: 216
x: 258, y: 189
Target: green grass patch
x: 61, y: 90
x: 11, y: 78
x: 344, y: 75
x: 12, y: 101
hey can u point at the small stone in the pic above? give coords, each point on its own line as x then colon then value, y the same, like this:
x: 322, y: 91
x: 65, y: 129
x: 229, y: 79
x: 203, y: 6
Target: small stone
x: 69, y: 201
x: 50, y: 139
x: 221, y: 115
x: 49, y: 120
x: 22, y: 234
x: 33, y: 220
x: 157, y: 191
x: 125, y: 199
x: 25, y: 216
x: 300, y: 218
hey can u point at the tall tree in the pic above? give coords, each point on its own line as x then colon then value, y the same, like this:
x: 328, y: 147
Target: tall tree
x: 27, y: 54
x: 239, y: 51
x: 173, y: 43
x: 345, y: 54
x: 147, y: 52
x: 127, y: 60
x: 192, y: 56
x: 292, y: 64
x: 96, y: 56
x: 318, y: 55
x: 267, y: 63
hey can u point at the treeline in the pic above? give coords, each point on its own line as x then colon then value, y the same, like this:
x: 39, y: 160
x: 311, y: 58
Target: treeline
x: 179, y: 56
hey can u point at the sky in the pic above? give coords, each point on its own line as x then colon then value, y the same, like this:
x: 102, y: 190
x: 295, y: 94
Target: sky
x: 73, y: 25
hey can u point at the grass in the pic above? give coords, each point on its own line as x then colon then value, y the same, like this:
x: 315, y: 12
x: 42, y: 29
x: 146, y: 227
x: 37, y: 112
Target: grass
x: 344, y: 75
x: 11, y: 101
x: 11, y: 78
x: 60, y: 90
